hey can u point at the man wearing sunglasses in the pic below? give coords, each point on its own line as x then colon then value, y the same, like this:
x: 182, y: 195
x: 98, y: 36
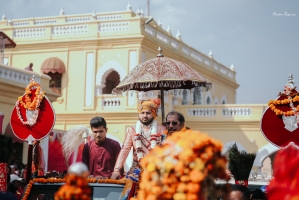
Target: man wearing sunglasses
x: 175, y: 121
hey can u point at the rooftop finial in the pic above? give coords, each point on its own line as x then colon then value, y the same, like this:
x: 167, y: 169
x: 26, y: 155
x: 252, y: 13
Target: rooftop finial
x: 160, y: 23
x: 3, y: 16
x: 10, y: 21
x: 61, y: 11
x: 129, y: 7
x: 211, y: 54
x: 178, y: 35
x: 232, y: 67
x: 138, y: 11
x: 160, y: 52
x: 168, y: 30
x: 291, y: 82
x: 94, y: 14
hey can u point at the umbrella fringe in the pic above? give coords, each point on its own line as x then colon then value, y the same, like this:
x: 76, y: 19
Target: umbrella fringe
x: 203, y: 86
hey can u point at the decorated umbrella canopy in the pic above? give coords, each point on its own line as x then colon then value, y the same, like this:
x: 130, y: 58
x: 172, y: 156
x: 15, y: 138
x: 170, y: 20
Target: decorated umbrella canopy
x: 162, y: 73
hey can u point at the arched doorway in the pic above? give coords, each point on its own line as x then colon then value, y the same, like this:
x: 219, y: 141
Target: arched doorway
x: 267, y: 165
x: 103, y: 73
x: 111, y: 81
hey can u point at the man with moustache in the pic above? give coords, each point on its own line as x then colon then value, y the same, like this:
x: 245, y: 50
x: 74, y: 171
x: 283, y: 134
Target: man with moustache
x: 100, y: 154
x: 143, y: 137
x: 175, y: 121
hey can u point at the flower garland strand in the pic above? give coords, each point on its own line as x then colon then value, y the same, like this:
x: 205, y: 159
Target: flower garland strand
x: 138, y: 137
x: 289, y: 100
x: 30, y: 105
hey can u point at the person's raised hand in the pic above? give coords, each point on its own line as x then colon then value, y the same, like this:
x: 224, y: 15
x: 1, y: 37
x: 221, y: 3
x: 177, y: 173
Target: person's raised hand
x: 115, y: 175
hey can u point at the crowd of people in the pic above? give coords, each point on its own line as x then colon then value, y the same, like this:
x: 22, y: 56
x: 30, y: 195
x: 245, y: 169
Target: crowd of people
x: 105, y: 157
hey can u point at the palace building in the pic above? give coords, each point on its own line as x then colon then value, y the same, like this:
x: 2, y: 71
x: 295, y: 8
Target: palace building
x: 79, y: 59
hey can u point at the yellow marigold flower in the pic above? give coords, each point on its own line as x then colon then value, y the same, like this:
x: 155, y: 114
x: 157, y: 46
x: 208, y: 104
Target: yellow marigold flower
x: 179, y: 196
x: 151, y: 167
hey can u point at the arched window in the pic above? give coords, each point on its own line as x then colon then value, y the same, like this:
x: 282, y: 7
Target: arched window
x: 54, y: 67
x: 196, y: 96
x: 223, y: 101
x: 185, y: 97
x: 111, y: 82
x: 208, y: 100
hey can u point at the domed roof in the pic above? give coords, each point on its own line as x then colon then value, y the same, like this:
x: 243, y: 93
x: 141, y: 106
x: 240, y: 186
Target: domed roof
x: 54, y: 65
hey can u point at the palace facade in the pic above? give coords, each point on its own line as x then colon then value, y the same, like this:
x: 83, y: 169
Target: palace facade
x: 79, y: 59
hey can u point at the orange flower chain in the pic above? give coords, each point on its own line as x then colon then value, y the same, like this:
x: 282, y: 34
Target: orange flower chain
x: 63, y: 180
x: 294, y: 110
x: 31, y: 106
x: 39, y: 95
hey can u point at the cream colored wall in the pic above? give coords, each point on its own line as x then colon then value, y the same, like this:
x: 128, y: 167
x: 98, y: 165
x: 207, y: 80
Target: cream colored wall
x: 5, y: 108
x: 116, y: 46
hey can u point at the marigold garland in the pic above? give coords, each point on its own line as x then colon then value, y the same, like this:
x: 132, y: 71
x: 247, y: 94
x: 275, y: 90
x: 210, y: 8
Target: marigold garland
x: 31, y: 105
x: 291, y: 99
x: 39, y: 95
x: 63, y: 180
x: 183, y: 168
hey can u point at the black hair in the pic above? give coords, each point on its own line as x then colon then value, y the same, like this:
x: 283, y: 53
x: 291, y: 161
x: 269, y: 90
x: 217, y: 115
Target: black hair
x: 243, y: 189
x: 258, y: 194
x: 97, y: 122
x: 181, y: 117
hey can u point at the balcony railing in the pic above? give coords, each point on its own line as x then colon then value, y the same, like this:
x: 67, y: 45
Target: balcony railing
x: 223, y: 112
x: 21, y: 78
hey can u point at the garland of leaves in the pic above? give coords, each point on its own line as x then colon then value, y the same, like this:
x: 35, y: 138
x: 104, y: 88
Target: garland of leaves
x: 240, y: 163
x: 5, y: 148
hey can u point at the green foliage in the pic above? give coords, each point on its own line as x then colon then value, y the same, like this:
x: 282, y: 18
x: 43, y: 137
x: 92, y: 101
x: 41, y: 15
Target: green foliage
x: 240, y: 163
x: 5, y: 148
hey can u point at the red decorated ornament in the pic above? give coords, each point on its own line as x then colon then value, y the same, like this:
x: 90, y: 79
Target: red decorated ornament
x: 279, y: 123
x: 33, y: 116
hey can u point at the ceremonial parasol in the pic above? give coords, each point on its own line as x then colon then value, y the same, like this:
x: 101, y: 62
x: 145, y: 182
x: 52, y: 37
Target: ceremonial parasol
x: 162, y: 73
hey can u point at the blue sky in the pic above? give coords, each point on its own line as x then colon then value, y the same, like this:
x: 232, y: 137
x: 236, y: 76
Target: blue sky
x: 260, y: 37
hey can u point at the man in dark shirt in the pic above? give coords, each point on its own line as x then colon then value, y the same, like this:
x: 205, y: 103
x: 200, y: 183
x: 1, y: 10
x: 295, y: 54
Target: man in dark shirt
x: 100, y: 154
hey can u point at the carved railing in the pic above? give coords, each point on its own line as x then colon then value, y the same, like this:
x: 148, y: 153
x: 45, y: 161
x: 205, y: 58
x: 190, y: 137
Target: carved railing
x: 16, y: 75
x: 111, y: 102
x: 222, y: 111
x: 189, y: 52
x: 107, y: 23
x: 201, y: 112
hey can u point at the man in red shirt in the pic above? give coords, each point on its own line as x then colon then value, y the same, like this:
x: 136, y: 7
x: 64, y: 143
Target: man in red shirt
x: 100, y: 154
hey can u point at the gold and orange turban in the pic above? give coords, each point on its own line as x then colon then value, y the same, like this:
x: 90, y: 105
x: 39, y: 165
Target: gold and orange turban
x: 151, y: 105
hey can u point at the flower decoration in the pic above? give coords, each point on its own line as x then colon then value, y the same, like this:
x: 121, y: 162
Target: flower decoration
x: 31, y: 106
x: 154, y: 137
x: 184, y: 167
x: 290, y: 96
